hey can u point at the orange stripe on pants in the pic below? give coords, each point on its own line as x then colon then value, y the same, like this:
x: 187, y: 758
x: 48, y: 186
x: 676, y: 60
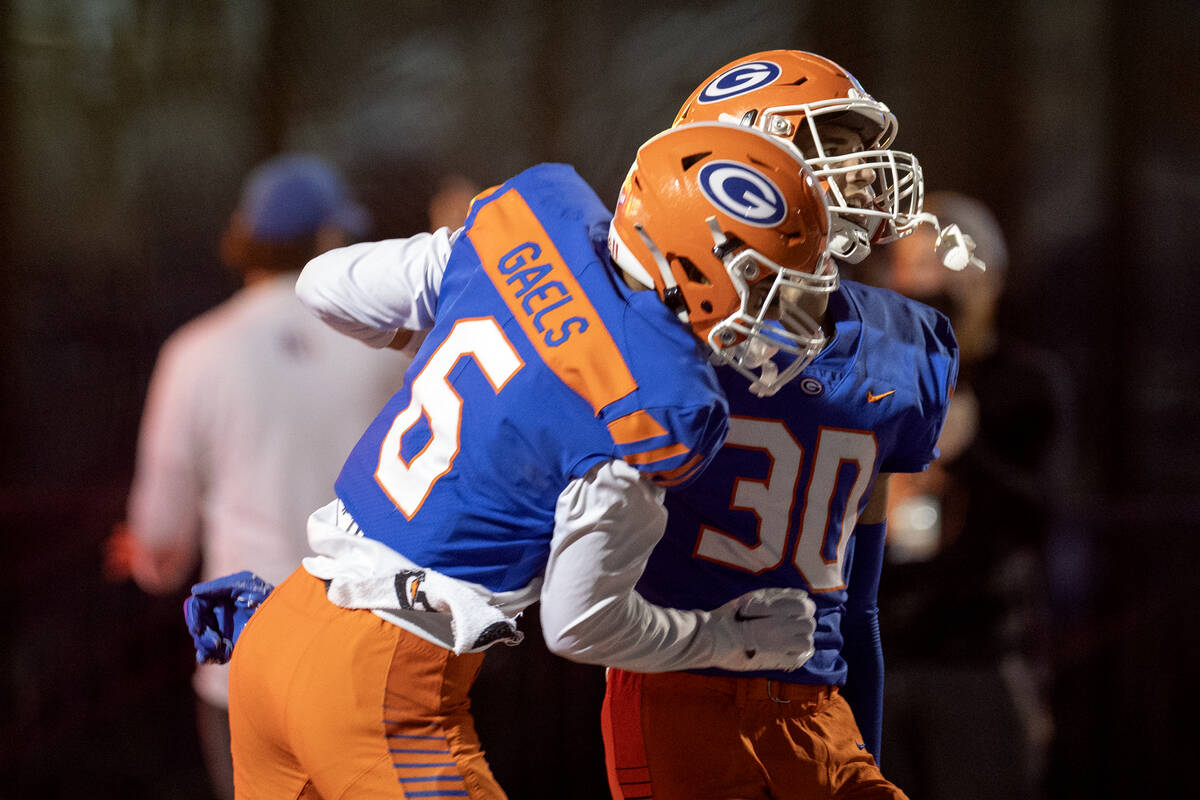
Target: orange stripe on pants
x: 326, y: 702
x: 681, y: 736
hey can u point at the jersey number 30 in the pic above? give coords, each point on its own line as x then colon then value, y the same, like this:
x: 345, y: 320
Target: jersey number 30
x: 408, y: 483
x: 772, y: 501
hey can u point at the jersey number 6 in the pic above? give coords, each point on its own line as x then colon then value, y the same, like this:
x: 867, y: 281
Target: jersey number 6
x: 409, y: 482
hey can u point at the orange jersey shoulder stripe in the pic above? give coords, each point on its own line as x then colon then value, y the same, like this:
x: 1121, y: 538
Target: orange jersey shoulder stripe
x: 546, y: 299
x: 635, y: 427
x: 484, y: 195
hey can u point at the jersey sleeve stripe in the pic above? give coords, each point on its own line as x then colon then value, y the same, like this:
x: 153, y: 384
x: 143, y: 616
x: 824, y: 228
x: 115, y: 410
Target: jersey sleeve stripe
x: 657, y: 454
x: 635, y: 427
x: 674, y: 477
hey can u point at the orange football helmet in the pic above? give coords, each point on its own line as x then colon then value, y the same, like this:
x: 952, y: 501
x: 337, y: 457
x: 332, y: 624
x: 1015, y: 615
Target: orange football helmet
x: 788, y: 94
x: 722, y: 221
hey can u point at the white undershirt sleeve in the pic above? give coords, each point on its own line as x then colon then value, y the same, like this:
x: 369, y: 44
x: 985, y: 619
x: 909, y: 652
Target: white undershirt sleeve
x: 372, y: 289
x: 606, y: 525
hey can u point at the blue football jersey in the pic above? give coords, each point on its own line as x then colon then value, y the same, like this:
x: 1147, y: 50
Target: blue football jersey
x: 778, y: 505
x: 540, y: 364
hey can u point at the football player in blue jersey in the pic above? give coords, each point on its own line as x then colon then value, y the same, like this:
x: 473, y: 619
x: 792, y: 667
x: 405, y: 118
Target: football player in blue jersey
x: 562, y: 387
x: 797, y: 496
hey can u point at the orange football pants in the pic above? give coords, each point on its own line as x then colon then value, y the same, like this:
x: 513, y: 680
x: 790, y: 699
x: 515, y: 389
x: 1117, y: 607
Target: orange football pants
x: 681, y: 736
x: 326, y: 702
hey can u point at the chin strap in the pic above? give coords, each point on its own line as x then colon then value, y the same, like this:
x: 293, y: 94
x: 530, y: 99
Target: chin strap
x: 764, y: 386
x: 848, y: 242
x: 721, y: 243
x: 955, y: 249
x: 672, y: 294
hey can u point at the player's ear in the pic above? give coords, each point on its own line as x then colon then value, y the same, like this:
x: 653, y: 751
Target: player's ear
x: 235, y: 243
x: 329, y: 237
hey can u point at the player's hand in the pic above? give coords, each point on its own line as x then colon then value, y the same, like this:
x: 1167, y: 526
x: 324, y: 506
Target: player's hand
x: 772, y: 629
x: 119, y: 550
x: 217, y: 610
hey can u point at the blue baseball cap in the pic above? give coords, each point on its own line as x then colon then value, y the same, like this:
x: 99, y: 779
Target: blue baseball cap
x: 293, y: 196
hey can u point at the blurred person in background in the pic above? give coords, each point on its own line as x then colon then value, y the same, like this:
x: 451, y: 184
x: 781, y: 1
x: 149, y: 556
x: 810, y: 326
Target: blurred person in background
x: 251, y: 409
x: 964, y: 596
x: 798, y: 495
x: 450, y: 201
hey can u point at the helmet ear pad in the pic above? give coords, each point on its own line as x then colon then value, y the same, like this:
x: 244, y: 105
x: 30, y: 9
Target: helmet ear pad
x: 687, y: 290
x: 708, y: 302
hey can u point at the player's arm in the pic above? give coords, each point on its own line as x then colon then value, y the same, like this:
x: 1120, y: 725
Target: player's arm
x: 606, y: 525
x: 160, y: 541
x: 374, y: 291
x: 401, y: 339
x: 863, y: 648
x: 156, y: 571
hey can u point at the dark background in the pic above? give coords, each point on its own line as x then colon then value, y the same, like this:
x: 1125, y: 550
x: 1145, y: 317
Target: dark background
x: 126, y: 127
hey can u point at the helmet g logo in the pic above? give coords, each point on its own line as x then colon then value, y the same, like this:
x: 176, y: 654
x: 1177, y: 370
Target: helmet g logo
x: 739, y: 80
x: 743, y: 193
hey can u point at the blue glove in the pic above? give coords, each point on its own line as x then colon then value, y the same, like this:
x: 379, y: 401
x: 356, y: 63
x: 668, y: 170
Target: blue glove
x: 217, y: 610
